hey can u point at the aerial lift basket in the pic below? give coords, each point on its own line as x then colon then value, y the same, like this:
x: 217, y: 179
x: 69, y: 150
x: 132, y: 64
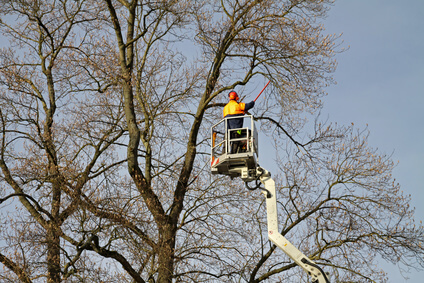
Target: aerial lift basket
x: 235, y: 151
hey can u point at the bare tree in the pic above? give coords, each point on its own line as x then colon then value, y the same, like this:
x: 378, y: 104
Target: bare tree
x: 105, y: 114
x: 53, y: 139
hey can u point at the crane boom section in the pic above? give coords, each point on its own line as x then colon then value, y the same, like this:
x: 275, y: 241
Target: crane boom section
x: 279, y: 240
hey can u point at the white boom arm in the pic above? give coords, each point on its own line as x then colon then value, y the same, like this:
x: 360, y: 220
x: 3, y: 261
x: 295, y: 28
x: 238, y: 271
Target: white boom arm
x: 318, y: 276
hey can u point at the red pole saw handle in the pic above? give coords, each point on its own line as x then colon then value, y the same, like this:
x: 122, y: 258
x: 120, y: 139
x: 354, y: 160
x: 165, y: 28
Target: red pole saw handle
x: 262, y: 91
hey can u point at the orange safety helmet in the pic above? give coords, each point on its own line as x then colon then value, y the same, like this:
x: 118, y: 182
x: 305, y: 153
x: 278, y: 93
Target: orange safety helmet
x: 233, y: 95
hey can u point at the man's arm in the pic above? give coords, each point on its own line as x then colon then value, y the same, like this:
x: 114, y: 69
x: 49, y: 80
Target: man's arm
x: 249, y: 105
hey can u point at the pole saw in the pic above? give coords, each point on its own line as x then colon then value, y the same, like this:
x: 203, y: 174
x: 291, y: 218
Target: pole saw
x: 262, y: 91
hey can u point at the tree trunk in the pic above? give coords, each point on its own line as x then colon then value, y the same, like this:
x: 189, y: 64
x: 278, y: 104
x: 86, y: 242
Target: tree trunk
x: 166, y: 254
x: 53, y: 255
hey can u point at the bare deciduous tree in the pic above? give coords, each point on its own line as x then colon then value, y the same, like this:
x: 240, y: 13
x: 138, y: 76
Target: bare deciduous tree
x: 105, y: 114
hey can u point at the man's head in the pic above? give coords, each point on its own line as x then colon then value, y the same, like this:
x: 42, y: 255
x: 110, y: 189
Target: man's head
x: 233, y: 95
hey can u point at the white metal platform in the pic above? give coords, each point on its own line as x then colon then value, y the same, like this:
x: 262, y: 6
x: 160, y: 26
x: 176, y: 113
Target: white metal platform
x: 235, y: 151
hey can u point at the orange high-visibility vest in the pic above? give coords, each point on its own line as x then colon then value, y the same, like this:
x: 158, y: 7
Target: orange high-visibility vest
x: 233, y: 108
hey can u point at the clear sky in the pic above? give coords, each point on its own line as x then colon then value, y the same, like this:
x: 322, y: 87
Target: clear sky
x: 380, y: 83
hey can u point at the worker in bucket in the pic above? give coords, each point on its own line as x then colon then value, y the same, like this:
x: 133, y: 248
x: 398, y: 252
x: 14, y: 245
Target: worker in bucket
x: 234, y: 109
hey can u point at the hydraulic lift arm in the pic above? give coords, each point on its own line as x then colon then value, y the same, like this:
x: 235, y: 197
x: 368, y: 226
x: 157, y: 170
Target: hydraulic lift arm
x: 317, y: 274
x: 243, y: 163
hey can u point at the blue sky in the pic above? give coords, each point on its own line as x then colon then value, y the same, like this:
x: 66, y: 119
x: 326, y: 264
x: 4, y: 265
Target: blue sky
x: 380, y: 83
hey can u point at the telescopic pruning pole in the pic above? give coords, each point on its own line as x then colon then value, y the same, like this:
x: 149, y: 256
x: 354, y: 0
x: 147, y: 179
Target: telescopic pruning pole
x: 262, y: 91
